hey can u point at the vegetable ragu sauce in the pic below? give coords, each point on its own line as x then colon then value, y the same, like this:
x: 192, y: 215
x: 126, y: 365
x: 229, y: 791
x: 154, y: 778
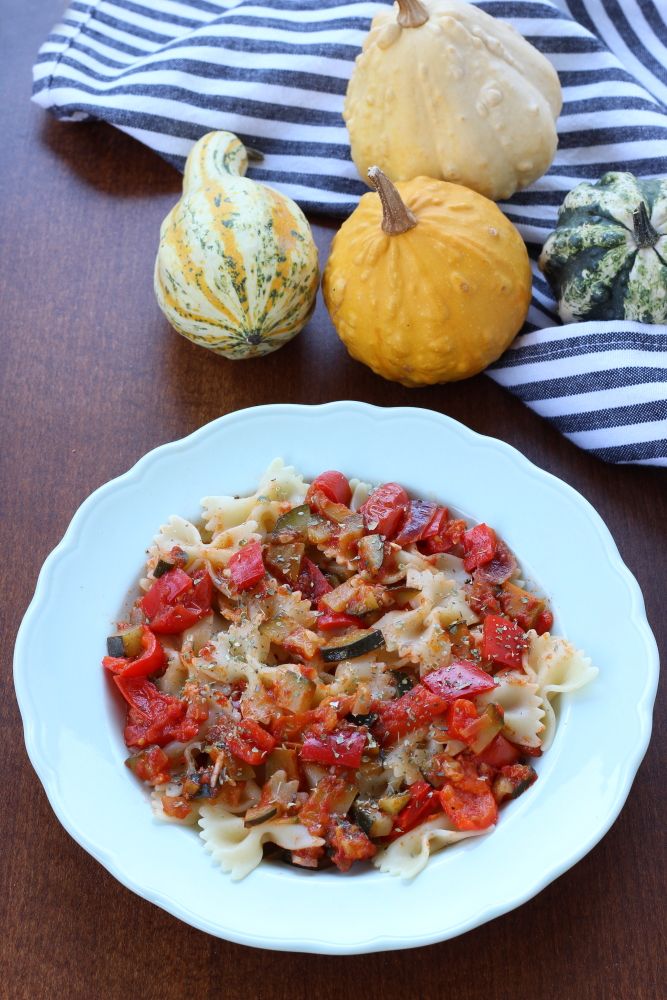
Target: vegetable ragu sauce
x: 335, y: 671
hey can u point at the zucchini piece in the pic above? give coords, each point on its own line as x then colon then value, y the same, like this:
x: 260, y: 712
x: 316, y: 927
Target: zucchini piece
x: 127, y: 643
x: 371, y: 554
x: 295, y: 520
x: 162, y: 567
x: 365, y: 642
x: 294, y: 692
x: 392, y: 804
x: 259, y: 814
x: 282, y: 759
x: 487, y: 727
x: 372, y: 821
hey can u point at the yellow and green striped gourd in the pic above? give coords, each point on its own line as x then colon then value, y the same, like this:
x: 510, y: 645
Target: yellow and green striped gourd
x: 236, y: 269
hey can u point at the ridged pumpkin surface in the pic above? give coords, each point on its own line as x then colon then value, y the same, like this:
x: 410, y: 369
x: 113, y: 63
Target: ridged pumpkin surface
x: 436, y: 303
x: 236, y: 269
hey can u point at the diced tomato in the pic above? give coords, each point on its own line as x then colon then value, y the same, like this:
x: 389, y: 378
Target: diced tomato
x: 461, y: 717
x: 176, y: 601
x: 248, y: 741
x: 461, y: 679
x: 520, y: 605
x: 349, y: 844
x: 411, y: 711
x: 151, y: 765
x: 503, y: 641
x: 385, y: 509
x: 447, y: 536
x: 289, y: 727
x: 500, y: 752
x: 469, y: 804
x: 500, y: 568
x: 544, y: 622
x: 418, y: 517
x: 343, y: 747
x: 482, y: 597
x: 176, y: 806
x: 437, y: 524
x: 479, y: 546
x: 312, y: 582
x: 151, y: 661
x: 331, y: 795
x: 334, y: 485
x: 329, y: 620
x: 424, y: 801
x: 164, y: 591
x: 246, y: 567
x: 154, y: 717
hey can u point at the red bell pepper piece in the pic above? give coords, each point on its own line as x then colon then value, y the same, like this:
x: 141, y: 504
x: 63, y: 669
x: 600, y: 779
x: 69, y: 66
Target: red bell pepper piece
x: 437, y: 523
x: 469, y: 803
x: 343, y: 747
x: 385, y: 509
x: 329, y: 620
x: 334, y: 485
x: 503, y: 641
x: 246, y: 567
x: 151, y: 660
x: 250, y: 742
x: 411, y: 711
x: 418, y: 518
x: 461, y: 679
x: 479, y: 546
x: 311, y: 581
x: 424, y: 801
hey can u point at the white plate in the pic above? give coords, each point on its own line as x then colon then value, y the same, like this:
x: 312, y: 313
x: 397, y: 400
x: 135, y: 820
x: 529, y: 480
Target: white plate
x: 73, y: 727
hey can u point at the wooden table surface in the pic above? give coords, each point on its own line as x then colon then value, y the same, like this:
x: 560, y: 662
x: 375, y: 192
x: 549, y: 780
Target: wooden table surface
x: 92, y: 378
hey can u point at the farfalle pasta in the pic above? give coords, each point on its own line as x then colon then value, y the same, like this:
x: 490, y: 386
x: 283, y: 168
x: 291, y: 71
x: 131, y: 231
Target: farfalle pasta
x: 331, y: 673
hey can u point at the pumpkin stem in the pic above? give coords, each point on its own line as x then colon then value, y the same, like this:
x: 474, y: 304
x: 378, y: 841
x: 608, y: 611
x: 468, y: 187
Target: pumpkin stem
x: 396, y: 216
x: 645, y: 235
x: 411, y: 13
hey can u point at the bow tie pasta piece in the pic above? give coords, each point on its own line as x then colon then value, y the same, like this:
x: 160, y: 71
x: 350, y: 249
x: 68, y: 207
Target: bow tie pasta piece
x: 558, y: 667
x: 280, y: 488
x: 408, y: 855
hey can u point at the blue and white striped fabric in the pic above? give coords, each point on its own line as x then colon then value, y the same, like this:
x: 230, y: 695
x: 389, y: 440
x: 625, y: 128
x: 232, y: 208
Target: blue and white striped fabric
x: 275, y: 73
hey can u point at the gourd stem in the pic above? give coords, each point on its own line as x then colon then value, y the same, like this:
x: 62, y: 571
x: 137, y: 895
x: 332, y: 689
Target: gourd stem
x: 411, y: 13
x: 396, y: 216
x: 645, y: 235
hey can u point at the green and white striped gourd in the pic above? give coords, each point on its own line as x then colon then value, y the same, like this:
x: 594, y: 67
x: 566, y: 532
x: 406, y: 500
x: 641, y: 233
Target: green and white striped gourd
x: 236, y: 269
x: 607, y: 258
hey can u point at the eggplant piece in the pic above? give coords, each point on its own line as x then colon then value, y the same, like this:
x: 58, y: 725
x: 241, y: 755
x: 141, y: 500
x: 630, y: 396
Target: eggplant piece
x: 392, y: 804
x: 487, y: 727
x: 127, y: 643
x: 259, y: 814
x: 285, y: 560
x: 162, y: 567
x: 282, y: 759
x: 364, y: 643
x: 372, y: 821
x: 404, y: 682
x: 369, y: 719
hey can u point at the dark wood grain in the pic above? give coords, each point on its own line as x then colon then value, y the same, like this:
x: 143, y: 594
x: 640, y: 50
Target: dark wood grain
x: 91, y: 378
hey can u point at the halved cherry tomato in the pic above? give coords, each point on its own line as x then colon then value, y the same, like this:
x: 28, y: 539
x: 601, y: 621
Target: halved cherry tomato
x: 418, y: 518
x: 343, y: 747
x: 544, y: 622
x: 479, y: 546
x: 151, y: 660
x: 436, y: 524
x: 334, y: 485
x: 424, y: 801
x: 461, y: 679
x: 411, y: 711
x: 469, y: 804
x: 311, y: 581
x: 503, y: 641
x: 246, y: 567
x: 173, y: 606
x: 384, y: 510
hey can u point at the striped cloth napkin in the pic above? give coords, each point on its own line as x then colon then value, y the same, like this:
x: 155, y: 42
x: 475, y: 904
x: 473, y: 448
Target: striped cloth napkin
x: 275, y: 73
